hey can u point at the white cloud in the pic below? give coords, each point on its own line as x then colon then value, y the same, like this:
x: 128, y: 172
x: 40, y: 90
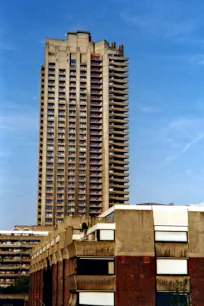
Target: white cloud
x: 194, y: 141
x: 186, y: 133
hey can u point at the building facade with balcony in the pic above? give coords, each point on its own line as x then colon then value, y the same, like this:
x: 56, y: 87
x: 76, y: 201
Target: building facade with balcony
x: 143, y: 255
x: 83, y: 137
x: 15, y: 250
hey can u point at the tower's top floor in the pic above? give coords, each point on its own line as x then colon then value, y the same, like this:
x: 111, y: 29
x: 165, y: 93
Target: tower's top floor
x: 83, y: 40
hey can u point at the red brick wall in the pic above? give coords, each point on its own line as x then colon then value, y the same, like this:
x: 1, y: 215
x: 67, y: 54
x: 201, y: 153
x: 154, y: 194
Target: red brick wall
x: 196, y: 273
x: 135, y: 281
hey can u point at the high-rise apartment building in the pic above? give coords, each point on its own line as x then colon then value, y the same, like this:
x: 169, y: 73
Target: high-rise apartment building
x: 83, y: 141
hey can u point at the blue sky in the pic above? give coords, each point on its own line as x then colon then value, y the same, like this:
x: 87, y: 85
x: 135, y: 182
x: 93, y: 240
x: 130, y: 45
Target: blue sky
x: 164, y: 40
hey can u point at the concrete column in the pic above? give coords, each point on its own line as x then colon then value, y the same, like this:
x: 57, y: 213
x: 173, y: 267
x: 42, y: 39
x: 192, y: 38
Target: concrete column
x: 54, y: 284
x: 66, y: 288
x: 41, y: 285
x: 34, y: 288
x: 60, y: 283
x: 31, y: 290
x: 37, y: 286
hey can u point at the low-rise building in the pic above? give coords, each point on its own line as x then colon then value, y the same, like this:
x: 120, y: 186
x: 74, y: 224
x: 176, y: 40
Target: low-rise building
x: 143, y: 255
x: 15, y: 250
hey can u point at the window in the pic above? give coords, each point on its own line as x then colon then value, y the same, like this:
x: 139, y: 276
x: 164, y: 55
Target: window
x: 167, y: 217
x: 171, y: 236
x: 172, y: 266
x: 81, y: 171
x: 71, y: 196
x: 96, y: 298
x: 71, y: 135
x: 95, y: 266
x: 172, y: 298
x: 71, y: 147
x: 82, y: 160
x: 48, y: 201
x: 71, y: 159
x: 62, y: 70
x: 107, y: 235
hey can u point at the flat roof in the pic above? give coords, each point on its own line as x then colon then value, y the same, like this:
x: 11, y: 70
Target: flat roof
x: 149, y: 206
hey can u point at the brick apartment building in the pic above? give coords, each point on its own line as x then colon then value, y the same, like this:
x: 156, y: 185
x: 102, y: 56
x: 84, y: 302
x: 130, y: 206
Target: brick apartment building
x: 142, y: 255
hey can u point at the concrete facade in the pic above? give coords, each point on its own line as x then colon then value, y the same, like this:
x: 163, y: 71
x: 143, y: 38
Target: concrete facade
x: 131, y: 255
x: 83, y: 137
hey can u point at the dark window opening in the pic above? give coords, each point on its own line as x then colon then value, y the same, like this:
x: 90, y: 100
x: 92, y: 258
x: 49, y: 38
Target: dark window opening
x: 95, y: 266
x: 170, y: 298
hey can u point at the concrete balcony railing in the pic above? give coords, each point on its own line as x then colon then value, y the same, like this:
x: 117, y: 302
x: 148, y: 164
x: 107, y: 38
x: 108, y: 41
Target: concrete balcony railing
x: 118, y: 80
x: 91, y: 248
x: 6, y: 275
x: 91, y: 282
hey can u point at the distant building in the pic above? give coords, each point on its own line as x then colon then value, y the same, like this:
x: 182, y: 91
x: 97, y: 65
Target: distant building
x: 83, y: 137
x: 15, y: 249
x: 143, y: 255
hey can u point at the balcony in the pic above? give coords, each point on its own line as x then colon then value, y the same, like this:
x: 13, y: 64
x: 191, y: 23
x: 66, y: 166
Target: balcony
x: 95, y: 212
x: 173, y: 283
x: 116, y: 62
x: 88, y: 248
x: 95, y: 187
x: 95, y: 193
x: 93, y: 180
x: 96, y: 63
x: 116, y: 75
x: 119, y: 121
x: 119, y: 192
x: 117, y: 69
x: 95, y: 162
x: 118, y: 115
x: 92, y: 138
x: 96, y: 109
x: 96, y: 75
x: 95, y: 198
x: 92, y: 282
x: 13, y: 252
x: 96, y: 98
x: 118, y: 198
x: 95, y: 144
x: 95, y: 80
x: 6, y: 275
x: 13, y: 267
x: 96, y: 168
